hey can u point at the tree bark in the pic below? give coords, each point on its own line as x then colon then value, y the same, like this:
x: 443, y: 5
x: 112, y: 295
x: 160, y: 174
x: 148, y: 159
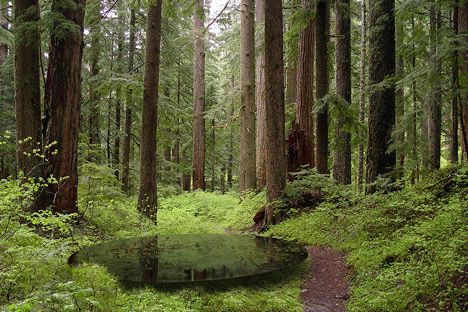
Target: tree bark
x: 62, y: 101
x: 381, y: 100
x: 321, y: 84
x: 463, y: 29
x: 260, y: 100
x: 453, y: 155
x: 118, y: 91
x: 27, y: 86
x: 247, y: 112
x: 434, y: 100
x: 147, y: 199
x: 414, y: 119
x: 274, y: 83
x: 291, y: 72
x: 304, y: 94
x: 4, y: 25
x: 342, y: 157
x: 128, y: 110
x: 400, y: 101
x: 198, y: 165
x: 362, y: 91
x: 94, y: 50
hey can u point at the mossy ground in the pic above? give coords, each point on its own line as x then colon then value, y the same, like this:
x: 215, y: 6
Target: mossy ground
x: 407, y: 249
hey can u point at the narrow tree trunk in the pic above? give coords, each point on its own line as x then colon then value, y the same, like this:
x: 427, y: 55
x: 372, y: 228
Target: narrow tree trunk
x: 304, y: 95
x: 147, y: 199
x: 109, y: 126
x: 453, y: 155
x: 400, y: 101
x: 260, y: 100
x: 414, y: 119
x: 4, y: 25
x: 231, y: 141
x: 62, y: 101
x: 198, y: 159
x: 434, y: 100
x: 128, y: 110
x: 291, y: 72
x: 321, y: 84
x: 27, y: 86
x: 342, y: 157
x: 118, y: 103
x: 274, y: 81
x: 247, y: 112
x: 381, y: 100
x: 463, y: 29
x: 94, y: 21
x: 213, y: 155
x: 222, y: 179
x: 362, y: 91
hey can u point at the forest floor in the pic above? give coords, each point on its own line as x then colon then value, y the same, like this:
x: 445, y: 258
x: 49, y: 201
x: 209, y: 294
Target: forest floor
x: 326, y: 284
x: 406, y: 250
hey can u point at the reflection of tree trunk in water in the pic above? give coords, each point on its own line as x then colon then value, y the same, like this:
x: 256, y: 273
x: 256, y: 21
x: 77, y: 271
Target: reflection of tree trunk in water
x: 149, y: 260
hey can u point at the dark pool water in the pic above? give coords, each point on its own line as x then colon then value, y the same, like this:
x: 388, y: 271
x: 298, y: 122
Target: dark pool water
x: 165, y: 259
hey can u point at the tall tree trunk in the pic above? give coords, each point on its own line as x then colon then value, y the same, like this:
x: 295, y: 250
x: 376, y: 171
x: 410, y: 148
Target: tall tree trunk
x: 274, y: 83
x: 305, y: 95
x: 198, y: 159
x: 230, y: 164
x: 4, y: 25
x: 260, y: 100
x: 222, y: 179
x: 247, y: 128
x: 362, y: 91
x: 453, y: 155
x: 463, y: 29
x: 291, y: 72
x: 414, y: 119
x: 109, y: 126
x: 213, y: 156
x: 434, y: 100
x: 381, y: 100
x: 321, y: 84
x: 147, y: 199
x: 128, y: 110
x: 62, y: 101
x: 400, y: 101
x: 342, y: 157
x: 94, y: 23
x: 118, y: 91
x: 27, y: 86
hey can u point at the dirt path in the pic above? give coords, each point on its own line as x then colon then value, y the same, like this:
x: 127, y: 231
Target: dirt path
x: 326, y: 285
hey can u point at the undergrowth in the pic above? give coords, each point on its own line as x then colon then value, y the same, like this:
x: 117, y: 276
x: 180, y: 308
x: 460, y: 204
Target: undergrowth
x: 407, y: 249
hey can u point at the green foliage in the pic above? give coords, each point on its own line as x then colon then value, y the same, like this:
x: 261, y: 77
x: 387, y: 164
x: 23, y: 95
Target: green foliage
x: 407, y: 248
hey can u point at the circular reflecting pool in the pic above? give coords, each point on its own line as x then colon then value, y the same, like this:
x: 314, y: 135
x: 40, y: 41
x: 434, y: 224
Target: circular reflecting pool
x: 190, y: 258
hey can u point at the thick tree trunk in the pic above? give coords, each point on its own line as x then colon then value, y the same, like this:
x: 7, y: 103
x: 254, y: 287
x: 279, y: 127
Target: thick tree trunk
x: 247, y: 128
x: 362, y: 91
x: 274, y: 83
x: 453, y: 154
x: 147, y: 199
x: 198, y: 159
x: 322, y: 26
x: 304, y: 96
x: 342, y: 156
x: 27, y: 86
x: 381, y: 100
x: 434, y: 100
x: 463, y: 29
x: 94, y: 23
x: 128, y: 110
x: 260, y: 100
x: 62, y: 101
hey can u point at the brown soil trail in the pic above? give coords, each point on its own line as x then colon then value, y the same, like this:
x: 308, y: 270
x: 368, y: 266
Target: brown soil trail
x: 326, y: 285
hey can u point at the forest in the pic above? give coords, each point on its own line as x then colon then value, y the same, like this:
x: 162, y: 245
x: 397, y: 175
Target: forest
x: 337, y: 125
